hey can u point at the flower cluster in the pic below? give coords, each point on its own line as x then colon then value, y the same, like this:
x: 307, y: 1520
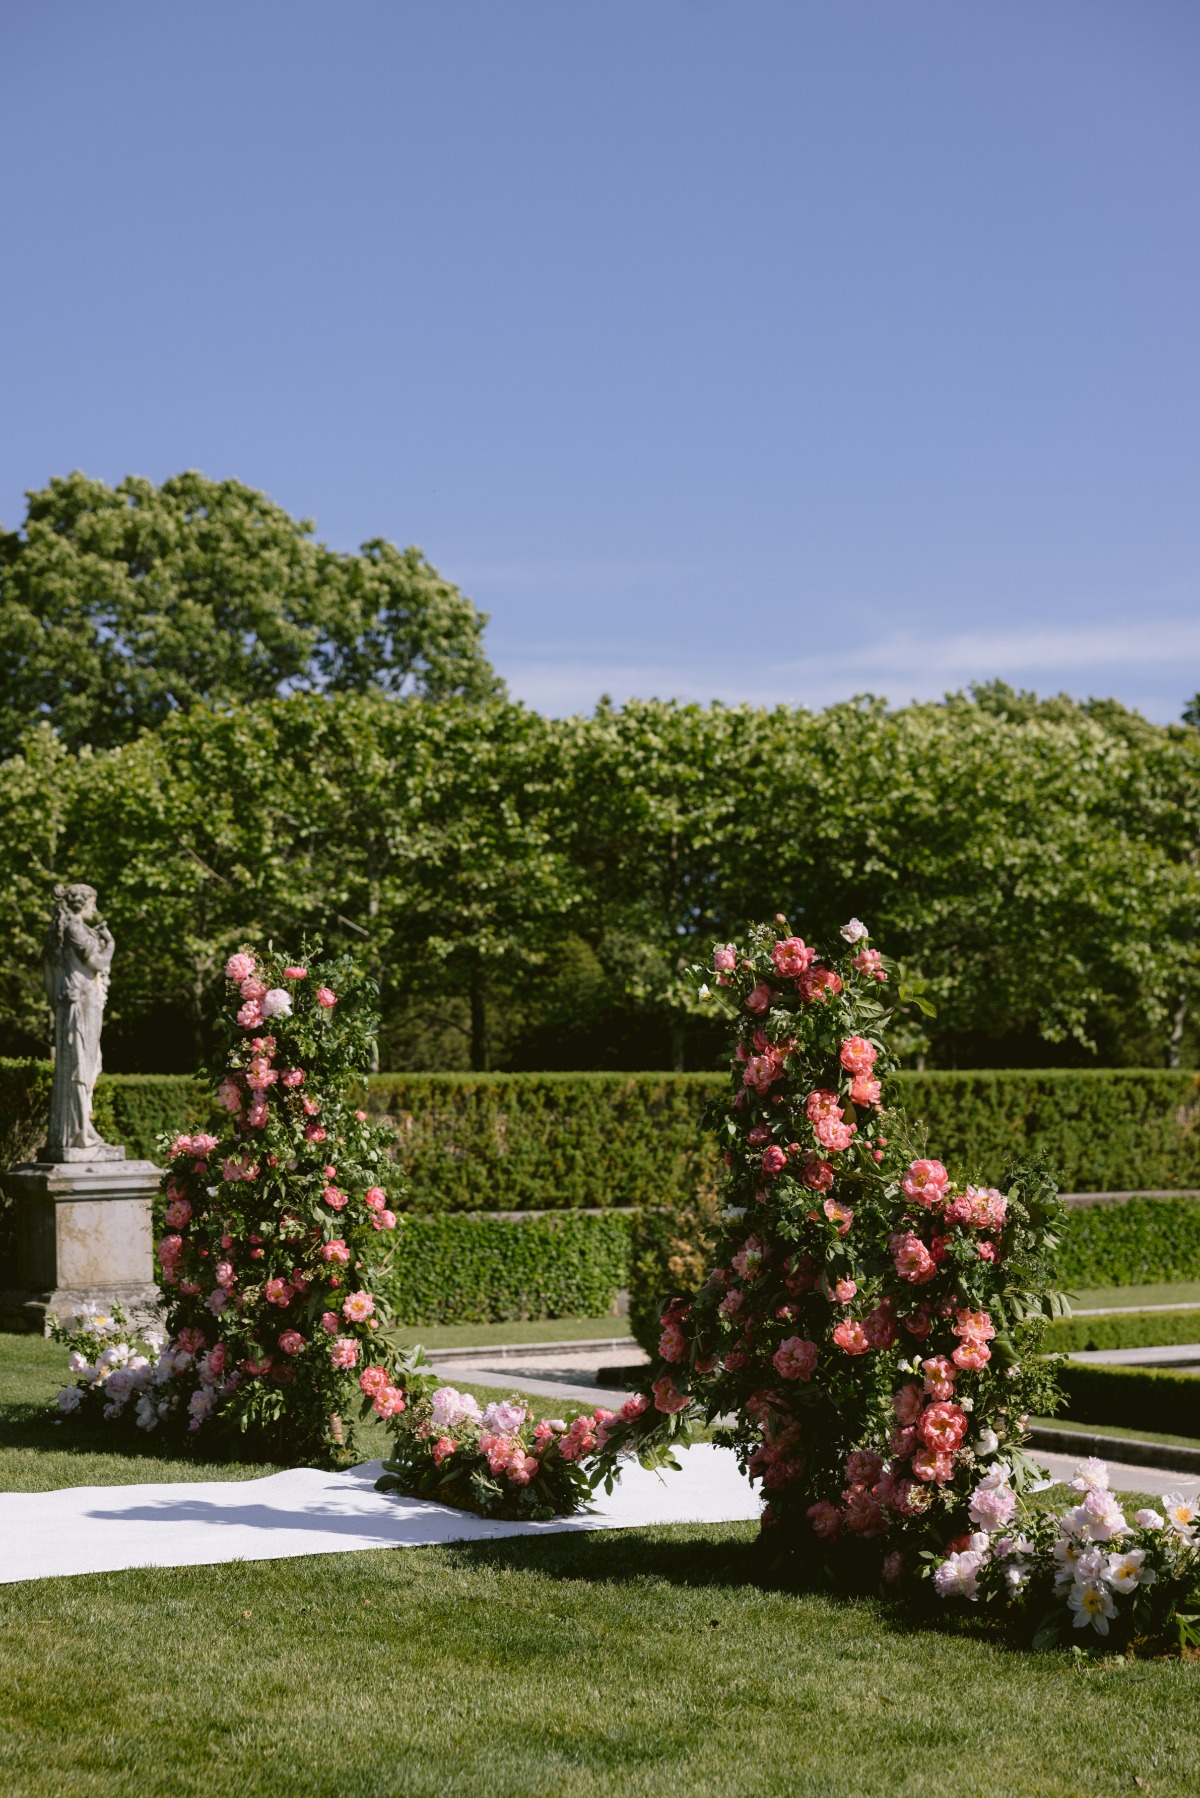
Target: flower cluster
x: 1088, y: 1568
x: 497, y: 1462
x: 276, y: 1231
x: 868, y: 1320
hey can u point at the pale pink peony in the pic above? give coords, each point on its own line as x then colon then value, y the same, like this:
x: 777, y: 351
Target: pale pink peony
x: 383, y: 1220
x: 295, y: 973
x: 865, y: 1089
x: 912, y: 1259
x: 252, y: 989
x: 940, y: 1375
x: 834, y: 1135
x: 863, y: 1467
x: 169, y: 1250
x: 796, y: 1358
x: 844, y: 1291
x: 972, y: 1355
x: 857, y: 1055
x: 241, y: 1168
x: 975, y: 1325
x: 331, y: 1323
x: 229, y: 1094
x: 724, y: 959
x: 344, y: 1352
x: 992, y: 1507
x: 389, y: 1402
x: 758, y: 1002
x: 822, y: 1104
x: 223, y: 1273
x: 357, y: 1307
x: 314, y: 1133
x: 374, y: 1198
x: 292, y: 1077
x: 326, y: 997
x: 240, y: 967
x: 374, y: 1379
x: 178, y: 1214
x: 250, y: 1015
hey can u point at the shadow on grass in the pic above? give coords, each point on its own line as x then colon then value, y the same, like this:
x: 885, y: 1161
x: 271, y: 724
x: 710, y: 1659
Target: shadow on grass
x: 737, y: 1559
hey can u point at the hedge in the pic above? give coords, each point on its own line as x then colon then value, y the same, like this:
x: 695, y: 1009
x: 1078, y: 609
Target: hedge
x: 548, y: 1142
x: 1121, y: 1329
x: 489, y: 1270
x: 1146, y: 1398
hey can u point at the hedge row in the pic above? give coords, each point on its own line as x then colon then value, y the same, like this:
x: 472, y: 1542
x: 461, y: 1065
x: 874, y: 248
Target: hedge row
x: 548, y: 1142
x: 1168, y: 1404
x: 458, y: 1270
x: 1121, y: 1329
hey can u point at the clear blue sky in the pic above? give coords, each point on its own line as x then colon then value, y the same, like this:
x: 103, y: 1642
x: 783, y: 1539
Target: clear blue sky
x: 724, y: 348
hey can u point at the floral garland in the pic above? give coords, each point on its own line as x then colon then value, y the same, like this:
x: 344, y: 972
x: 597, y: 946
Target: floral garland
x: 275, y: 1234
x: 496, y: 1462
x: 870, y: 1322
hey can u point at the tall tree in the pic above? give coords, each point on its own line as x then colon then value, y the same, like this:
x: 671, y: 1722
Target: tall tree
x: 120, y: 606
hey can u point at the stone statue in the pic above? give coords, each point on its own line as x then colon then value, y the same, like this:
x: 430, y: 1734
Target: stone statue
x: 75, y: 962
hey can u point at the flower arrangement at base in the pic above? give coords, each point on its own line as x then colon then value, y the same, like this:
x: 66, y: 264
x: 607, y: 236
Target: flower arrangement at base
x: 275, y: 1230
x: 496, y: 1462
x: 869, y: 1322
x: 1087, y: 1574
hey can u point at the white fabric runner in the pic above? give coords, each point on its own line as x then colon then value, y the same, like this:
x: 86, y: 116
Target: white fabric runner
x: 98, y: 1529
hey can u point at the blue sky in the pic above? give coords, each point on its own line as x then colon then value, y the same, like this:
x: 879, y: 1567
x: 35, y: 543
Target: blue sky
x: 755, y: 351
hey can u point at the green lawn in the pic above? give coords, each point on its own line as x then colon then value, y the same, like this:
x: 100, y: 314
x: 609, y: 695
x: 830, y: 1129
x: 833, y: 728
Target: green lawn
x: 1131, y: 1298
x: 650, y: 1662
x: 556, y: 1329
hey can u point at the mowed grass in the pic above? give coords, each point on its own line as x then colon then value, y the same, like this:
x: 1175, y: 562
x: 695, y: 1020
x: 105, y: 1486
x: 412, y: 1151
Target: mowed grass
x: 639, y: 1662
x: 1132, y: 1298
x: 554, y: 1329
x: 652, y: 1662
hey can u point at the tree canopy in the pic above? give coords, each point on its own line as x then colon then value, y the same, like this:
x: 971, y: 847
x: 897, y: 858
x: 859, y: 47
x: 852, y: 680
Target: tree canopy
x: 120, y: 606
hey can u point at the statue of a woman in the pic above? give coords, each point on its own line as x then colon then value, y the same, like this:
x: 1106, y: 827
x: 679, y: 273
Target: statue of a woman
x: 75, y: 962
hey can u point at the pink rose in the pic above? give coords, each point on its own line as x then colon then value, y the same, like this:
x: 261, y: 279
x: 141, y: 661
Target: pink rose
x: 833, y: 1135
x: 839, y: 1214
x: 907, y: 1403
x: 169, y: 1250
x: 357, y: 1307
x: 252, y: 989
x: 314, y: 1133
x: 375, y: 1198
x: 857, y: 1055
x: 239, y: 967
x: 817, y: 982
x: 344, y: 1352
x: 331, y: 1323
x: 292, y: 1077
x: 672, y: 1344
x: 940, y: 1375
x: 825, y: 1518
x: 335, y: 1198
x: 791, y: 958
x: 759, y: 1000
x: 250, y: 1015
x: 335, y: 1251
x: 774, y: 1160
x: 974, y: 1324
x: 863, y: 1467
x: 930, y: 1465
x: 373, y: 1379
x: 666, y: 1395
x: 291, y: 1342
x: 851, y: 1337
x: 880, y: 1325
x: 796, y: 1358
x: 869, y: 962
x: 972, y: 1355
x: 326, y: 997
x: 865, y: 1089
x: 295, y: 973
x: 383, y: 1220
x: 724, y: 959
x: 634, y: 1406
x: 912, y: 1259
x: 389, y: 1402
x: 277, y: 1292
x: 229, y: 1094
x: 817, y: 1174
x: 844, y: 1291
x: 223, y: 1273
x: 942, y: 1427
x: 822, y: 1104
x: 925, y: 1182
x: 178, y: 1213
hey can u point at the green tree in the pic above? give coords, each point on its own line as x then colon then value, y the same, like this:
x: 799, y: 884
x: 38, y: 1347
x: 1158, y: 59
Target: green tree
x: 121, y: 606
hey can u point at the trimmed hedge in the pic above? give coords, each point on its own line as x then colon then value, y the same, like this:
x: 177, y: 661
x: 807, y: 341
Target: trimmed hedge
x: 549, y: 1142
x: 1140, y: 1242
x: 1142, y: 1397
x: 1121, y: 1329
x: 457, y: 1270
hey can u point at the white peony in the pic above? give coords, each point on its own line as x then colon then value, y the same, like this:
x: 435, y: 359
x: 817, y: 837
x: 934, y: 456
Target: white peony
x: 70, y: 1397
x: 277, y: 1003
x: 855, y: 931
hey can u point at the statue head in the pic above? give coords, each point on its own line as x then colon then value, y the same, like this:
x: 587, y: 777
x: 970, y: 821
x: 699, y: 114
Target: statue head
x: 75, y: 901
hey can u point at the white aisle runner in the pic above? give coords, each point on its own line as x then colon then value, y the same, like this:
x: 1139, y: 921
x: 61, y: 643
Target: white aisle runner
x: 99, y: 1529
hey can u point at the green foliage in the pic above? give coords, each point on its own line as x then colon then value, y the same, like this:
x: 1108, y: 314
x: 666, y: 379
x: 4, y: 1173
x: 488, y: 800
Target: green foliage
x: 1132, y: 1244
x: 120, y: 606
x: 480, y: 1269
x: 526, y: 890
x: 1152, y: 1398
x: 1121, y: 1329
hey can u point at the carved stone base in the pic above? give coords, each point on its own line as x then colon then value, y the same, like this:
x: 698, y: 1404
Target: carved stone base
x: 99, y: 1151
x: 84, y: 1236
x: 34, y: 1312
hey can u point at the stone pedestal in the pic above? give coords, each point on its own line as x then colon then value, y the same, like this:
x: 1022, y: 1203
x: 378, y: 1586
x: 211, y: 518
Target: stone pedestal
x: 84, y: 1236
